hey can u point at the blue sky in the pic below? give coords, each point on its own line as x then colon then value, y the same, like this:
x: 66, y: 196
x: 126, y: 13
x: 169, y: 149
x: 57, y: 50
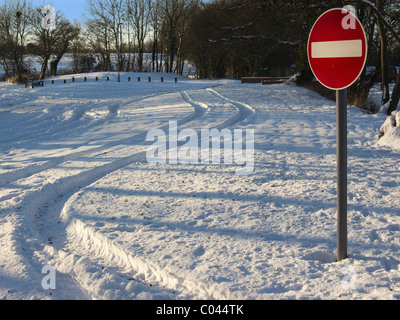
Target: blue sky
x: 72, y: 9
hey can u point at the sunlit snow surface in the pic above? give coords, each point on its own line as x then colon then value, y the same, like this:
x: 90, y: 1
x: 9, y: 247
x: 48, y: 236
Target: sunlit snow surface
x: 77, y: 194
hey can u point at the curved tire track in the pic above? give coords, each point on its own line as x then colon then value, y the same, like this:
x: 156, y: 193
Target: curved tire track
x: 37, y: 211
x: 244, y: 110
x: 9, y: 177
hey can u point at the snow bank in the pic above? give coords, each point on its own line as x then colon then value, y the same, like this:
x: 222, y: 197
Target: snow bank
x: 390, y: 131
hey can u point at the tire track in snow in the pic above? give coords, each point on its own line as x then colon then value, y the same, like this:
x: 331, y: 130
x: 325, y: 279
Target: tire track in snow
x: 37, y: 211
x: 107, y: 250
x: 53, y: 128
x: 9, y: 177
x: 136, y: 268
x: 102, y: 247
x: 32, y: 203
x: 245, y: 110
x: 242, y: 110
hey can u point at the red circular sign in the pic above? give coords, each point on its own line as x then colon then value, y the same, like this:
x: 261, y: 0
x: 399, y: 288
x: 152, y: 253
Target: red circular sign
x: 337, y: 49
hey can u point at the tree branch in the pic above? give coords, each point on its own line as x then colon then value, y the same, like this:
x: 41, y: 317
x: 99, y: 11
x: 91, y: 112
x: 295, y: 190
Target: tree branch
x: 381, y: 18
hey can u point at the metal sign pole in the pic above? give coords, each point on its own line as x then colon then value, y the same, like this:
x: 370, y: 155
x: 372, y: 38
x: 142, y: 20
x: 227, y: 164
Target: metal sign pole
x: 337, y: 53
x: 341, y: 102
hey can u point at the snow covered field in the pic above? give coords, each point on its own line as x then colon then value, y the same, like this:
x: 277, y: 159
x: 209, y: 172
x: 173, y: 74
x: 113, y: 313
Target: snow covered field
x: 78, y: 195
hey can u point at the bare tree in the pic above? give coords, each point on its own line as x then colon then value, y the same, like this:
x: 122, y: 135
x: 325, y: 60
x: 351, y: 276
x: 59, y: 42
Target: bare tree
x: 382, y: 10
x: 173, y: 13
x: 98, y: 37
x: 154, y: 24
x: 104, y: 20
x: 384, y: 53
x: 15, y: 19
x: 117, y: 16
x: 139, y: 13
x: 53, y: 42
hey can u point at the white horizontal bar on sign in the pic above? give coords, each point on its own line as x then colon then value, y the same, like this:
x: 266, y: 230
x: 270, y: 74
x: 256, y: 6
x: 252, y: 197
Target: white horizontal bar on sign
x: 337, y: 49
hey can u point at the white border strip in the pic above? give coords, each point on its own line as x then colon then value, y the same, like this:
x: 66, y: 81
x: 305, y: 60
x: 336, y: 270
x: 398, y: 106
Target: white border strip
x: 337, y: 49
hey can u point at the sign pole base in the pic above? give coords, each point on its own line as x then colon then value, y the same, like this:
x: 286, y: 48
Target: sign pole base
x: 341, y: 102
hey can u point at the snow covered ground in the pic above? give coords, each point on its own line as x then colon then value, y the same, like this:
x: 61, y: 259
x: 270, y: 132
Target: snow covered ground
x: 78, y: 195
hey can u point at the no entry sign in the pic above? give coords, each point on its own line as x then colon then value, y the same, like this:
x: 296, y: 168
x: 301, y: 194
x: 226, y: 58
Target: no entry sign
x: 337, y: 49
x: 337, y: 52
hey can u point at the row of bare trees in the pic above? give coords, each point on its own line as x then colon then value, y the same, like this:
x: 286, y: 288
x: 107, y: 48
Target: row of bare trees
x: 125, y: 26
x: 252, y: 38
x: 261, y: 37
x: 21, y: 32
x: 111, y: 28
